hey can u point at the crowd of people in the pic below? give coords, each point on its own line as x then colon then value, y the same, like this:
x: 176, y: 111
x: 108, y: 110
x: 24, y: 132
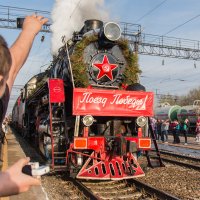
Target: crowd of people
x: 162, y: 128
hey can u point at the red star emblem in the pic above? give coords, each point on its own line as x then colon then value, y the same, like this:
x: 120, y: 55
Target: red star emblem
x: 105, y: 68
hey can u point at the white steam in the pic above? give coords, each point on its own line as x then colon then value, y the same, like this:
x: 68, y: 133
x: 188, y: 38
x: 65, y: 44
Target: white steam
x: 69, y: 16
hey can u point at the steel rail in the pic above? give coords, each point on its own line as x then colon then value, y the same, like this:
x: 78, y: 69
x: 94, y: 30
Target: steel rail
x: 83, y: 189
x: 192, y: 166
x: 152, y: 191
x: 177, y: 162
x: 180, y: 156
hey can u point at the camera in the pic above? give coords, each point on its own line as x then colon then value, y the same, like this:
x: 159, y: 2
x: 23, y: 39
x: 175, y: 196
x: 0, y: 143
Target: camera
x: 34, y: 169
x: 20, y: 22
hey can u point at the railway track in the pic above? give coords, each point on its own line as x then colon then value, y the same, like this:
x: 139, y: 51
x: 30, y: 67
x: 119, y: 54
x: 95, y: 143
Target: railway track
x: 179, y: 159
x: 179, y: 155
x: 159, y: 194
x: 107, y: 190
x: 60, y: 186
x: 127, y: 189
x: 102, y: 190
x: 135, y: 189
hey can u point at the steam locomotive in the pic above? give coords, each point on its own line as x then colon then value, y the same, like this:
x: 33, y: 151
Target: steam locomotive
x: 87, y: 113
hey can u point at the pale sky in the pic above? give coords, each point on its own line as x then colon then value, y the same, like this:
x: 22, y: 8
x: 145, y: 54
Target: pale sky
x: 176, y: 76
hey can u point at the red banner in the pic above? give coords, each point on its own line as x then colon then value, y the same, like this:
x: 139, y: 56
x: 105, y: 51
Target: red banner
x: 56, y: 91
x: 112, y: 102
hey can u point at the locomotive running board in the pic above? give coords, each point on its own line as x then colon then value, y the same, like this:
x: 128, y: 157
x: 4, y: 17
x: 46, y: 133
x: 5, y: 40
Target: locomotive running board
x: 114, y: 169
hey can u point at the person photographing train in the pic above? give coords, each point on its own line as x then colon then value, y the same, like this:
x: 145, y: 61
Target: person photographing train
x: 13, y: 181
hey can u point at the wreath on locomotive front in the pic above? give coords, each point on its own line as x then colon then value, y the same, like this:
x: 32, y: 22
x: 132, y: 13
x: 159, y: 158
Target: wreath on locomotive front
x: 104, y: 59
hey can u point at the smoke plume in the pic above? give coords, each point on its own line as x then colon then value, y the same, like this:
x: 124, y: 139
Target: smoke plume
x: 69, y: 16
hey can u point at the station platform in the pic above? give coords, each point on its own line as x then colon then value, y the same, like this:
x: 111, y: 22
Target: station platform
x: 191, y: 143
x: 191, y: 149
x: 11, y: 153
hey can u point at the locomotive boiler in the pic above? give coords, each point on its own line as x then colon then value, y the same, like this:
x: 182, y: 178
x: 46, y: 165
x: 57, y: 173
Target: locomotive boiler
x: 87, y: 113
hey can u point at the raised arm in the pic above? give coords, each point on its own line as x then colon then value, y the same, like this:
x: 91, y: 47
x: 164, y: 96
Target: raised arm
x: 21, y: 47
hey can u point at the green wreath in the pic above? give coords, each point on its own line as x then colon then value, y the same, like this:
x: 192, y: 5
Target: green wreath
x: 79, y: 68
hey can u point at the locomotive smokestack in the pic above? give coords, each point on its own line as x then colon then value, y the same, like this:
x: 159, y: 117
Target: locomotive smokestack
x: 69, y: 16
x: 92, y: 24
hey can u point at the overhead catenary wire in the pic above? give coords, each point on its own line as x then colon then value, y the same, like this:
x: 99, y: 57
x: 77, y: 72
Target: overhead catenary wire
x: 175, y: 28
x: 45, y: 33
x: 75, y: 8
x: 22, y: 12
x: 149, y: 12
x: 73, y: 13
x: 189, y: 76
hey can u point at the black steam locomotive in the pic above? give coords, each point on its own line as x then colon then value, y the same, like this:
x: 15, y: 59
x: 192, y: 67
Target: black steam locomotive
x: 87, y: 113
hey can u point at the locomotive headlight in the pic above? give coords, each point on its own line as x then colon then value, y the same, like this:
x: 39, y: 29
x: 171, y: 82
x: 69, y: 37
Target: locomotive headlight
x: 112, y: 31
x: 88, y: 120
x: 141, y: 121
